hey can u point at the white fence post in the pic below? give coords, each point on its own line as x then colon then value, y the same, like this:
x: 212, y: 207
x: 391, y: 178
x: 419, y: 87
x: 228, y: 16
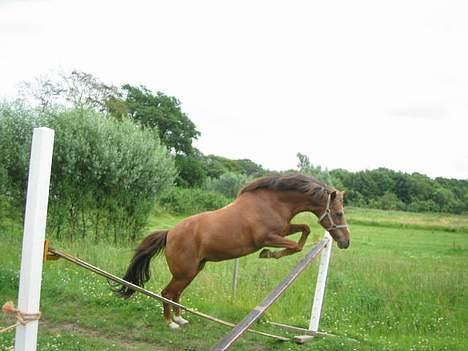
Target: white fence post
x: 34, y: 235
x: 321, y: 282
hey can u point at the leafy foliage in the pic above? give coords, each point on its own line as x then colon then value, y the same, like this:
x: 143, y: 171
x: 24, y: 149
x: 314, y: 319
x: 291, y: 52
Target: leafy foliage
x: 164, y: 114
x: 191, y: 170
x: 306, y: 167
x: 191, y: 200
x: 160, y: 112
x: 106, y: 174
x: 387, y: 189
x: 217, y: 165
x: 227, y: 184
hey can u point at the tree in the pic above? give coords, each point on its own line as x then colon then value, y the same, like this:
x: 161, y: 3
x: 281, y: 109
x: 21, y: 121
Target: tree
x: 163, y: 113
x: 82, y: 91
x: 227, y: 184
x: 306, y: 167
x: 79, y: 90
x: 250, y: 168
x: 388, y: 201
x: 217, y: 165
x: 191, y: 169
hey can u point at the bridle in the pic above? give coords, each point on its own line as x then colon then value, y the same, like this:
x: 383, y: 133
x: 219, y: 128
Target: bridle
x: 327, y: 214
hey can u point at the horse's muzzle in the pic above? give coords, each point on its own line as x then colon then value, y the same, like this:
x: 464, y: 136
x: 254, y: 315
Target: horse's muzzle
x: 343, y: 244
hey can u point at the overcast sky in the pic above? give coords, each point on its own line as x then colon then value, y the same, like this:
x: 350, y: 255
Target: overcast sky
x: 352, y: 84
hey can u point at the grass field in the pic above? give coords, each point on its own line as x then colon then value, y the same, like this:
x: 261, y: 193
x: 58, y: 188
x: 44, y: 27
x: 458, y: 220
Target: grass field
x: 403, y: 285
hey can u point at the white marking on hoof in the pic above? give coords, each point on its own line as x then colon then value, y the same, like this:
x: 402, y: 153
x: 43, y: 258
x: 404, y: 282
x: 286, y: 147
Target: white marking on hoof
x: 173, y: 325
x: 180, y: 321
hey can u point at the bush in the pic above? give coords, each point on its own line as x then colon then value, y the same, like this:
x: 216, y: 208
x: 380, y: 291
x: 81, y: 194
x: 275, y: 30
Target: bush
x: 423, y: 206
x: 191, y: 200
x: 16, y: 124
x: 355, y: 198
x: 388, y: 201
x: 106, y: 174
x: 190, y: 170
x: 227, y: 184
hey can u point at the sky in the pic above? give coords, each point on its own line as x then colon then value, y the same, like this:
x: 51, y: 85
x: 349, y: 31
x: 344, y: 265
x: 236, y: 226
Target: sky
x: 352, y: 84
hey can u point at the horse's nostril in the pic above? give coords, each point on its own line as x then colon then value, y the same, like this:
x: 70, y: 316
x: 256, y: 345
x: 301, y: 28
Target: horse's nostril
x: 343, y: 244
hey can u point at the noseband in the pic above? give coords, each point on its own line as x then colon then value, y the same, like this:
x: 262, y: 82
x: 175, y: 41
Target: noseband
x: 327, y: 214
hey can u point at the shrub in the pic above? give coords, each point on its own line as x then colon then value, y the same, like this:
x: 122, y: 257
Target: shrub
x: 106, y: 174
x: 423, y: 206
x: 355, y: 198
x: 388, y: 201
x: 191, y: 200
x: 227, y: 184
x: 190, y: 170
x: 16, y: 124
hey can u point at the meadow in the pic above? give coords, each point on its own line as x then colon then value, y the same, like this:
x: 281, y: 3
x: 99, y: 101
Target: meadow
x: 402, y: 285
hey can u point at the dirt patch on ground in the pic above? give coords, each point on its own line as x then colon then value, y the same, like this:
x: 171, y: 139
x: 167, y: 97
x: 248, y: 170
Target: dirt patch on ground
x: 119, y: 339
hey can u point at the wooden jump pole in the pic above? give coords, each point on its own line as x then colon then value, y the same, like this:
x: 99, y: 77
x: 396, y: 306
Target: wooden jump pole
x: 33, y: 238
x: 227, y: 341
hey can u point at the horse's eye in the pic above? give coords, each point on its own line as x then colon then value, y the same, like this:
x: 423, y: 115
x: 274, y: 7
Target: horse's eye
x: 339, y: 214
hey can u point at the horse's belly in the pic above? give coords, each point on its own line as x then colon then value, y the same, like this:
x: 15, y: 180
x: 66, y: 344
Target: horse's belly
x: 221, y: 251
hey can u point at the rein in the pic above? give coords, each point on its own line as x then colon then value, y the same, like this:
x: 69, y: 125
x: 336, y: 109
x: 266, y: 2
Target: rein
x: 327, y: 214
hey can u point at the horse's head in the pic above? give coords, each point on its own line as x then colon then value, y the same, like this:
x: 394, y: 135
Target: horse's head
x: 334, y: 221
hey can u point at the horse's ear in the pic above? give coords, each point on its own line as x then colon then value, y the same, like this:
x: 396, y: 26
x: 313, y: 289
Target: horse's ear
x: 333, y: 195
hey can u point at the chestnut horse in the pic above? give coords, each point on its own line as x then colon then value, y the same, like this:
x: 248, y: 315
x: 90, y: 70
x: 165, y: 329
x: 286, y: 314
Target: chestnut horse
x: 259, y: 217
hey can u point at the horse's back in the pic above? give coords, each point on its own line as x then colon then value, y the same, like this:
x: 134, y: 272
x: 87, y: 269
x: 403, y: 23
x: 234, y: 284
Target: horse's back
x: 232, y: 231
x: 212, y: 236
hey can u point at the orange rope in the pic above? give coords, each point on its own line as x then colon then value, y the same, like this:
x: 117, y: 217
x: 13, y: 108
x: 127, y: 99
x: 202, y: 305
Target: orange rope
x: 21, y: 317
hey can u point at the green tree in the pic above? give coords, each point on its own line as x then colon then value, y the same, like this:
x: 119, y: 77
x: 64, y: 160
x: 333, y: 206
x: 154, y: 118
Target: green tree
x: 191, y: 170
x: 250, y: 168
x: 388, y: 201
x: 217, y: 165
x: 306, y: 167
x: 227, y: 184
x: 81, y: 90
x: 163, y: 113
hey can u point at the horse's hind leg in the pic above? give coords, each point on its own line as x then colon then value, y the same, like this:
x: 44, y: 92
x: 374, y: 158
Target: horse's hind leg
x: 177, y: 310
x: 172, y: 292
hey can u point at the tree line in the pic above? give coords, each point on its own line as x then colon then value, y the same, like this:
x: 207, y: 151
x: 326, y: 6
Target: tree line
x: 386, y: 189
x: 120, y: 150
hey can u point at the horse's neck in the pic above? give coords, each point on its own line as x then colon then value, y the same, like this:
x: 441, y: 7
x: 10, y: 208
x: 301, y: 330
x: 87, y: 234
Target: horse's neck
x: 297, y: 203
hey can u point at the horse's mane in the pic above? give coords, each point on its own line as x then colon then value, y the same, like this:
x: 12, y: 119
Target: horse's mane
x: 288, y: 182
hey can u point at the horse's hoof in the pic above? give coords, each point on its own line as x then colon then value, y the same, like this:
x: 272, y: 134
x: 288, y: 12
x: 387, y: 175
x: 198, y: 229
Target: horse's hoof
x: 173, y: 325
x: 265, y: 253
x: 180, y: 321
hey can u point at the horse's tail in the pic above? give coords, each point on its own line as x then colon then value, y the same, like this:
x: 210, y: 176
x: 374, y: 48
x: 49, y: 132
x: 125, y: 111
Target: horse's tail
x: 138, y: 271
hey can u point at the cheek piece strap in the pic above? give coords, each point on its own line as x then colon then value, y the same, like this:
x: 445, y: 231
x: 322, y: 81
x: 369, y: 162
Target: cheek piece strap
x: 327, y: 214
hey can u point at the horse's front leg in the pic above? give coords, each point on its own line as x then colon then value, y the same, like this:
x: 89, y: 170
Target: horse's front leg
x: 290, y: 246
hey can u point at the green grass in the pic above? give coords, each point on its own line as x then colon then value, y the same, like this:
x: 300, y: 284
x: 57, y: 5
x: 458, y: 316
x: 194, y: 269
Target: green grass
x: 403, y: 285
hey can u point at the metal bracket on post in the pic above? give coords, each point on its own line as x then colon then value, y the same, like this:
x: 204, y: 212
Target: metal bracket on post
x: 47, y: 255
x: 319, y: 292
